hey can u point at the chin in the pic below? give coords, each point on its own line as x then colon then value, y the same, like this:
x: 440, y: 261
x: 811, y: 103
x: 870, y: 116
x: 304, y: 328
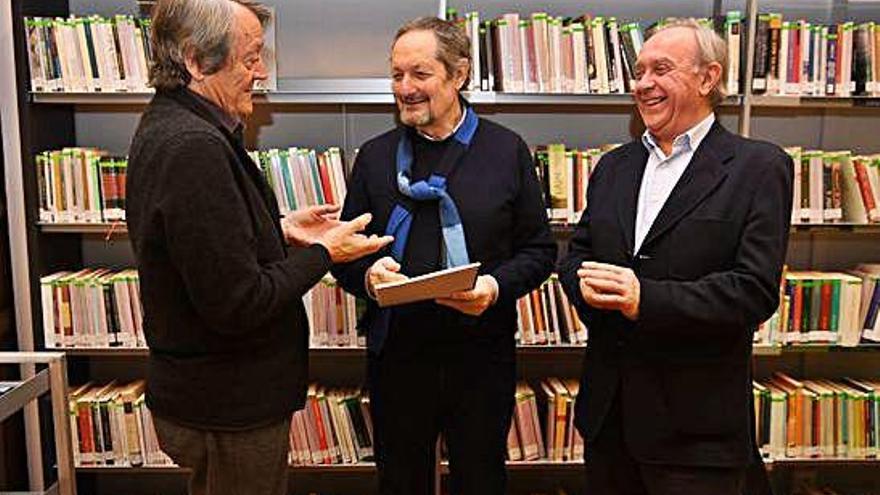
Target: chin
x: 415, y: 118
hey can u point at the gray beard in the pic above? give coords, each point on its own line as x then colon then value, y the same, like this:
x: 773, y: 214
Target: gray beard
x: 417, y: 120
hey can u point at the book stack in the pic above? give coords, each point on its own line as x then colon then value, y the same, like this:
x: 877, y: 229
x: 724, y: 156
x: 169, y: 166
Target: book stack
x: 81, y: 185
x: 333, y: 316
x: 303, y: 177
x: 565, y: 174
x: 559, y: 440
x: 111, y: 426
x: 88, y: 54
x: 334, y: 427
x: 835, y: 187
x: 87, y: 185
x: 542, y: 53
x: 92, y: 308
x: 817, y: 418
x: 545, y: 317
x: 826, y: 308
x: 799, y: 58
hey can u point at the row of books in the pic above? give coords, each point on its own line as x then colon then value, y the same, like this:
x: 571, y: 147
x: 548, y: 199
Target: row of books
x: 111, y: 425
x: 81, y: 185
x: 89, y: 54
x: 829, y: 186
x: 827, y: 308
x: 87, y: 185
x: 546, y: 317
x: 92, y: 308
x: 559, y: 440
x: 797, y: 57
x: 334, y: 427
x: 303, y: 177
x: 542, y: 53
x: 99, y: 308
x: 333, y: 315
x: 817, y: 418
x: 564, y: 174
x: 835, y: 186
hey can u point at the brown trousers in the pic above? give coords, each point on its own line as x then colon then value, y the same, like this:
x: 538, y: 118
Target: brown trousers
x: 250, y: 462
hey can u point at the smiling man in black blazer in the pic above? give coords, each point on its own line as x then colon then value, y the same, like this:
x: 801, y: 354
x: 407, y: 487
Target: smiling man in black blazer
x: 673, y: 265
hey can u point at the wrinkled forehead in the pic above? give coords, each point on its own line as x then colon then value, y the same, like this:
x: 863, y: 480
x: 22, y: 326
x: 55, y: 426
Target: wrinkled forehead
x: 415, y: 48
x: 246, y: 28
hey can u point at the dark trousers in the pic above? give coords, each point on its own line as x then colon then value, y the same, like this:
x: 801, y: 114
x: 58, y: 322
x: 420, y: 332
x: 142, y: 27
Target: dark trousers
x: 250, y: 462
x: 413, y: 400
x: 611, y: 470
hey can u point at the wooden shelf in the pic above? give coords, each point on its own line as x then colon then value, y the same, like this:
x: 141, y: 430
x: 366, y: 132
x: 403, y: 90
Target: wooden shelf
x: 522, y: 350
x: 364, y: 468
x: 558, y: 228
x: 371, y: 94
x: 124, y: 352
x: 766, y: 101
x: 84, y: 228
x: 819, y: 463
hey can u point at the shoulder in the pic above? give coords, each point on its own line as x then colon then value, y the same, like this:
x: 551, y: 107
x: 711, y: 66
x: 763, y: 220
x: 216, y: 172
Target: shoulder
x: 499, y: 135
x: 167, y: 126
x: 381, y: 143
x: 759, y: 157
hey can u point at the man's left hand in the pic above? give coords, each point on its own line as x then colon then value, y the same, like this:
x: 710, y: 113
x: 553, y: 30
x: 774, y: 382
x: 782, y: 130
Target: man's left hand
x: 612, y: 287
x: 304, y: 226
x: 475, y: 301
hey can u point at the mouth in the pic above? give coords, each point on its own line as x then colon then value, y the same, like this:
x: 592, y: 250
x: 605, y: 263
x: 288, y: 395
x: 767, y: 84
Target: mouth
x: 651, y: 102
x: 413, y: 101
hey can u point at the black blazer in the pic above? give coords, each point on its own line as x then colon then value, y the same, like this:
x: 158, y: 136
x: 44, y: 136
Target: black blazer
x: 499, y: 200
x: 709, y: 271
x: 222, y: 294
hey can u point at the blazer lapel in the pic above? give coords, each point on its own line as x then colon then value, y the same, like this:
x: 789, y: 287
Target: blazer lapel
x: 704, y: 173
x: 630, y: 177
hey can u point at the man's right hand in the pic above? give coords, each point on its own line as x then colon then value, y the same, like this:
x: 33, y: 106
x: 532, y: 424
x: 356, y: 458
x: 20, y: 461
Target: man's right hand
x: 383, y: 270
x: 345, y: 243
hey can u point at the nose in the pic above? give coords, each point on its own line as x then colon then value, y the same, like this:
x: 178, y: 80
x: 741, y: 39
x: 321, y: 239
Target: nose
x: 260, y: 72
x: 405, y: 85
x: 644, y: 83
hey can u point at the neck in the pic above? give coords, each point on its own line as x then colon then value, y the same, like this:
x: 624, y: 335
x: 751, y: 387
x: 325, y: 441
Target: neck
x: 441, y: 128
x: 665, y: 139
x: 207, y: 92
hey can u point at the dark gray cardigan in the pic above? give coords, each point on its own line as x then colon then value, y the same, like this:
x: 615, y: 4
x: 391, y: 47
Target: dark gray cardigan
x: 222, y: 294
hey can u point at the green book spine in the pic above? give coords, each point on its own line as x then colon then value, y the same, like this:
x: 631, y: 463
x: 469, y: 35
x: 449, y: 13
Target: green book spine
x: 833, y: 322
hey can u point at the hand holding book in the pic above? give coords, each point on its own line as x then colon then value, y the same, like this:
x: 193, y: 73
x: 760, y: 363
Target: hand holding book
x: 384, y: 270
x: 475, y: 301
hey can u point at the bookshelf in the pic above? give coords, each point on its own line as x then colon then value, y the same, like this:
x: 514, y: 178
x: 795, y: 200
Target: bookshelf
x: 344, y: 100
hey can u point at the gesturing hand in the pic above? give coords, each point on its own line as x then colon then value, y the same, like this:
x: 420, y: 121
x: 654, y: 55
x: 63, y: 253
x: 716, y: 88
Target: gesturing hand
x: 475, y: 301
x: 610, y: 287
x: 305, y: 226
x: 345, y: 243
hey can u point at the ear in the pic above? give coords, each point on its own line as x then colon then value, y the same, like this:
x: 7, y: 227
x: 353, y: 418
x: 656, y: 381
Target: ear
x: 192, y: 66
x: 710, y: 78
x: 461, y: 72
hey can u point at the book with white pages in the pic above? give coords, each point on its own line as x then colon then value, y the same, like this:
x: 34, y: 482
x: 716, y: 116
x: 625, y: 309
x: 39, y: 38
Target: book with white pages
x: 429, y: 286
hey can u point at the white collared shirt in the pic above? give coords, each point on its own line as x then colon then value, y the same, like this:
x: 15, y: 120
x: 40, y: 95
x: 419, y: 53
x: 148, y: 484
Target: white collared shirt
x: 454, y: 130
x: 663, y: 172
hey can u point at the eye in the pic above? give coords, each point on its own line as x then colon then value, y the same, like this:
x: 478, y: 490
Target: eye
x: 422, y: 75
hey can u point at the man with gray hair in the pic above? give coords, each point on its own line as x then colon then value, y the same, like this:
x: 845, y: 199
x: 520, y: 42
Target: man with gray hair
x: 673, y: 265
x: 452, y: 188
x: 222, y: 274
